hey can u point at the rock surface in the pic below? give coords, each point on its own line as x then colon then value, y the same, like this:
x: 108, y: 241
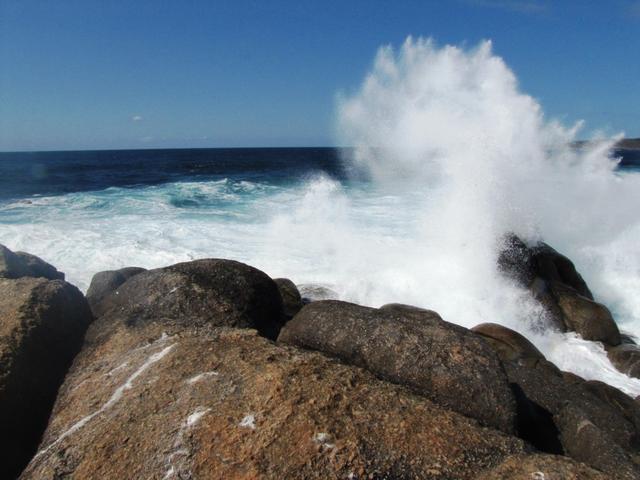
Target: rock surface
x: 542, y: 467
x: 42, y: 324
x: 510, y: 345
x: 563, y: 405
x: 554, y: 281
x: 311, y: 292
x: 592, y: 320
x: 409, y: 311
x: 104, y: 283
x: 444, y: 362
x: 291, y: 299
x: 213, y: 403
x: 588, y: 443
x: 626, y: 358
x: 21, y: 264
x: 540, y: 261
x: 202, y: 292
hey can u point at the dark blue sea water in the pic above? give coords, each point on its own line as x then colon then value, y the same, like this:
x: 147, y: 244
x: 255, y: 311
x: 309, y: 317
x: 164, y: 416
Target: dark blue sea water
x: 26, y: 174
x: 629, y: 158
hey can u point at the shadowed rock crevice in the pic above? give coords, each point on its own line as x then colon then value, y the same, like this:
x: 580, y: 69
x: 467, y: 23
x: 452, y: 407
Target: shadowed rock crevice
x: 556, y: 406
x: 42, y: 324
x: 535, y: 424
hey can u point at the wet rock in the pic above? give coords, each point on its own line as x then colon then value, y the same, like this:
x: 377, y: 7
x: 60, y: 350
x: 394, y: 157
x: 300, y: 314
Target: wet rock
x: 592, y: 320
x: 214, y: 403
x: 104, y: 283
x: 202, y: 292
x: 626, y: 358
x: 22, y: 264
x: 525, y: 264
x: 553, y: 279
x: 555, y: 267
x: 510, y: 345
x: 312, y: 292
x: 444, y: 362
x: 291, y: 299
x: 42, y: 324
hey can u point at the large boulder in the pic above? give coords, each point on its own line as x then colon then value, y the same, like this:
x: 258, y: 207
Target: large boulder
x: 22, y: 264
x: 42, y: 324
x: 291, y: 299
x: 214, y: 403
x: 444, y: 362
x: 202, y: 292
x: 544, y: 395
x: 104, y: 283
x: 553, y: 279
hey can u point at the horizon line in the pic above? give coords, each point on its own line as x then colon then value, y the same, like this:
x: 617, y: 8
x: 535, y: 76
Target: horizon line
x: 63, y: 150
x: 67, y: 150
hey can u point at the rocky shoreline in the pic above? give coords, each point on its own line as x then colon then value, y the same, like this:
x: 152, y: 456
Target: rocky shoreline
x: 210, y: 369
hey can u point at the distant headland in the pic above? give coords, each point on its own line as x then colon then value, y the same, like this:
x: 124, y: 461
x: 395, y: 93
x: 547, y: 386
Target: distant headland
x: 624, y: 144
x: 632, y: 143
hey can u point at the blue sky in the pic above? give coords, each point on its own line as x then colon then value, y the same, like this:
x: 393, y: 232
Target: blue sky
x: 140, y: 74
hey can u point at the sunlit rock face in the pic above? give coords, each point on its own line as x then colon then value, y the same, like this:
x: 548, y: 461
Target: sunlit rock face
x: 42, y: 324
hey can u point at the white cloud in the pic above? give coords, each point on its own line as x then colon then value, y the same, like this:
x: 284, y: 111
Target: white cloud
x: 136, y: 118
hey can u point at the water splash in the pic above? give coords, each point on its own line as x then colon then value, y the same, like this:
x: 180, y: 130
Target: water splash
x: 451, y: 127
